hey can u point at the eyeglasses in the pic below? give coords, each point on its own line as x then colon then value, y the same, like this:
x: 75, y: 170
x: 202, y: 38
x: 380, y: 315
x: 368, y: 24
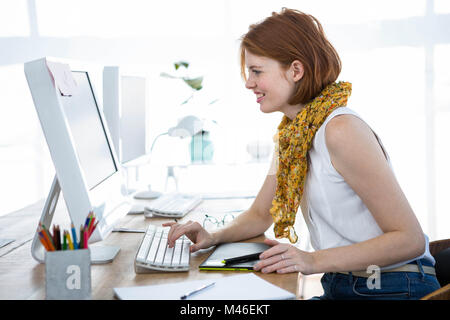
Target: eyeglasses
x: 211, y: 222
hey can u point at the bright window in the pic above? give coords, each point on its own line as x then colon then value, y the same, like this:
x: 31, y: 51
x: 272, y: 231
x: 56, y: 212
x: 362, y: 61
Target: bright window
x: 131, y: 18
x: 14, y: 19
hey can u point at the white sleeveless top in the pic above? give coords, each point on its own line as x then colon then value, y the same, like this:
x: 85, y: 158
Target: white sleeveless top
x: 335, y: 215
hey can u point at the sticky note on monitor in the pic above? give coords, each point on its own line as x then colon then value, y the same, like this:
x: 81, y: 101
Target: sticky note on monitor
x: 62, y: 77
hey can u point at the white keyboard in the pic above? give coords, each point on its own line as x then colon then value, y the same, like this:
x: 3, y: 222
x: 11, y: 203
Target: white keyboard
x: 172, y: 205
x: 154, y: 254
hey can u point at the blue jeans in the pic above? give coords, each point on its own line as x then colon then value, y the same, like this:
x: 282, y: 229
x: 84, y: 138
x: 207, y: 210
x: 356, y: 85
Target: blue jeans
x: 392, y: 285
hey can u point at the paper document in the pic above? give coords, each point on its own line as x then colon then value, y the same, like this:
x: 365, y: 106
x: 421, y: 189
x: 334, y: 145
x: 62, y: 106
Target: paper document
x: 240, y: 287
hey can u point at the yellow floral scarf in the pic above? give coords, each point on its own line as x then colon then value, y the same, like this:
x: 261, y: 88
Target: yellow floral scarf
x: 295, y: 139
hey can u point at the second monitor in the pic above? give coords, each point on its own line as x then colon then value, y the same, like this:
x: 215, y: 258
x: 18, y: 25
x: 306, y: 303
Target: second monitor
x: 125, y: 106
x: 126, y: 109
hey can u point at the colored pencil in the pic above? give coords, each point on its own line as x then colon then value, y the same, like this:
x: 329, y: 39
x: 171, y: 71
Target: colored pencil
x: 48, y: 237
x: 43, y: 241
x: 69, y: 240
x: 64, y: 240
x: 85, y: 235
x: 86, y: 223
x: 54, y: 237
x: 81, y: 246
x: 58, y: 238
x: 91, y: 225
x: 92, y: 229
x: 74, y: 235
x: 95, y: 226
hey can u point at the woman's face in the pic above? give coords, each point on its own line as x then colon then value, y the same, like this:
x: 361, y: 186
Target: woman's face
x: 272, y: 84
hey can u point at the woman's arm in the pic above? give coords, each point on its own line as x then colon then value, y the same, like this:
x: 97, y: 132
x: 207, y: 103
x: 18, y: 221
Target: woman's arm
x: 357, y: 156
x: 251, y: 223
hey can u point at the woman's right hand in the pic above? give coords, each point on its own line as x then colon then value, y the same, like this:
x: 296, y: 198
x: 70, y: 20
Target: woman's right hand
x: 201, y: 238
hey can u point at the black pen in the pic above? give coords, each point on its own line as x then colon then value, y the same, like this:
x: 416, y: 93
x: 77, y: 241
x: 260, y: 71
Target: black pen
x: 128, y: 230
x: 246, y: 258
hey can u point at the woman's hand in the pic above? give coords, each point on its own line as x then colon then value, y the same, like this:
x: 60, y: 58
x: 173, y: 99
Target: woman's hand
x: 284, y: 258
x: 193, y: 230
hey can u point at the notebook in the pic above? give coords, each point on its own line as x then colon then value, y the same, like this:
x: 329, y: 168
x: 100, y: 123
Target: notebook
x: 246, y: 286
x: 232, y: 250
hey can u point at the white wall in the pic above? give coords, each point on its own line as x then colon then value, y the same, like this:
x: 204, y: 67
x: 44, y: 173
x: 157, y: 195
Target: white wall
x: 394, y: 52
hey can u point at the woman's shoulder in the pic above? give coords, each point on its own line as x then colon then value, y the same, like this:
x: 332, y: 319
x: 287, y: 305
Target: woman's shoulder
x: 344, y: 121
x: 344, y: 129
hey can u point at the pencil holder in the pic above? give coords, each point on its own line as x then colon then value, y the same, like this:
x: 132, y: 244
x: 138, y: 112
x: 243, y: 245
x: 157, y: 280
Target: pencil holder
x: 68, y: 275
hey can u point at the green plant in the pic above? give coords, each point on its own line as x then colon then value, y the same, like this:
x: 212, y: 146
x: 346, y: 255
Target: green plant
x: 201, y: 147
x: 194, y: 83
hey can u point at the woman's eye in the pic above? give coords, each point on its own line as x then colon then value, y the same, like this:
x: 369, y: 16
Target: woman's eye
x: 256, y: 72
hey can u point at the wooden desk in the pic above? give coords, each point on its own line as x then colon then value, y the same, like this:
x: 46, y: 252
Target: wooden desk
x: 21, y: 277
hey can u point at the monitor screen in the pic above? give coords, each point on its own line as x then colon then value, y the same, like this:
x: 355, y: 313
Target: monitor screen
x: 88, y: 132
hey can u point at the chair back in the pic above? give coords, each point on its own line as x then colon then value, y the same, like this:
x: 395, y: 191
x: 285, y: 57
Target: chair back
x: 440, y: 250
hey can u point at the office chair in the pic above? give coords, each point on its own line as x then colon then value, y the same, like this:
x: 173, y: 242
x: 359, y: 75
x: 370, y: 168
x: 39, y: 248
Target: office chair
x: 440, y: 250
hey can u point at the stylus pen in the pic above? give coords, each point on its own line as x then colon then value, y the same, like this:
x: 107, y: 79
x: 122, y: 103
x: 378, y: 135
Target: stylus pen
x: 190, y: 293
x: 128, y: 230
x: 246, y: 258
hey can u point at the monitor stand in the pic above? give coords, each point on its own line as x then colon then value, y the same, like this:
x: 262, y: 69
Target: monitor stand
x: 99, y: 254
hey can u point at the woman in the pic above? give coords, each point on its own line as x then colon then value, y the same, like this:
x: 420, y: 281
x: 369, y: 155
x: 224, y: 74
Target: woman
x: 332, y: 165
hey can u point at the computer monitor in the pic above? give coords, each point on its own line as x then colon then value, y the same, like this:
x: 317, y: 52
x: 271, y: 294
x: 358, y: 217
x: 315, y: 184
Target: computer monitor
x: 88, y: 171
x: 125, y: 106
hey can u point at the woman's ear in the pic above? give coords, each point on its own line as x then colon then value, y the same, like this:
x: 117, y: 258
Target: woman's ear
x: 297, y: 70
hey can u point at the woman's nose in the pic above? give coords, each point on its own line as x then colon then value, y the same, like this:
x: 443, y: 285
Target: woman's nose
x: 249, y: 84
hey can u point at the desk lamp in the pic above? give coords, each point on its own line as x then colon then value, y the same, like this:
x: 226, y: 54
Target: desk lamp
x: 188, y: 126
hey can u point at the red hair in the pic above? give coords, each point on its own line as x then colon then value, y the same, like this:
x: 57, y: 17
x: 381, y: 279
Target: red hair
x: 293, y: 35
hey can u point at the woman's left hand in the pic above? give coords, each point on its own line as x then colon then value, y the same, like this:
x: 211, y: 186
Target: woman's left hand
x: 284, y: 258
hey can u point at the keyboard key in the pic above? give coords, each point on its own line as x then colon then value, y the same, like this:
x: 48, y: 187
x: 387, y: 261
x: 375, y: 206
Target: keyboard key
x: 168, y: 256
x: 161, y: 252
x: 153, y: 250
x: 158, y: 233
x: 151, y: 229
x: 184, y: 262
x: 177, y: 253
x: 144, y: 248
